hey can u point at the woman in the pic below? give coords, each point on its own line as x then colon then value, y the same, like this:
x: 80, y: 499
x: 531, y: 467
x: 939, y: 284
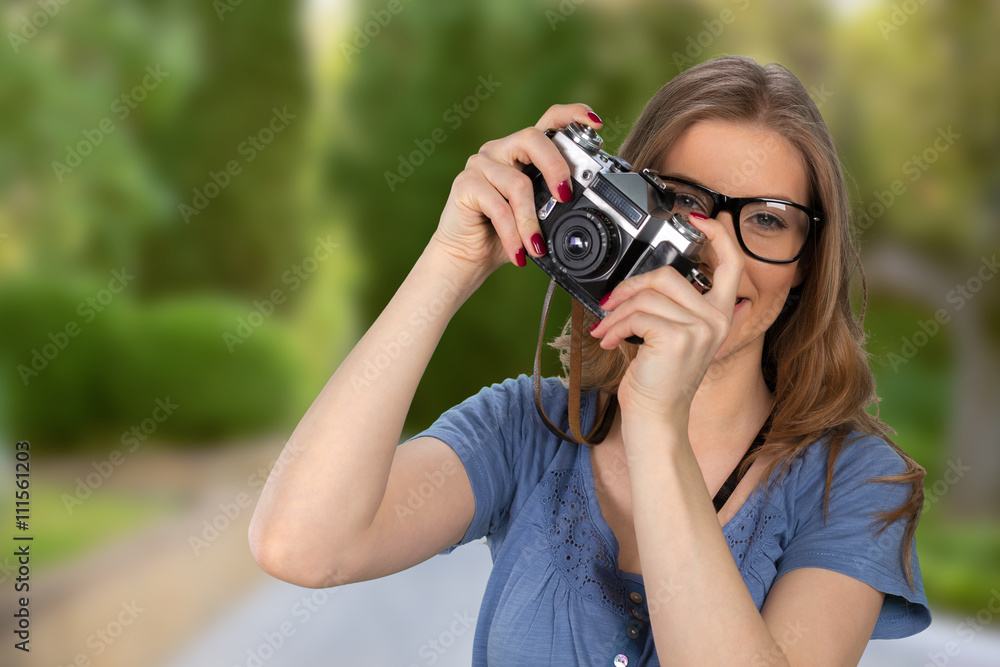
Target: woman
x: 615, y: 555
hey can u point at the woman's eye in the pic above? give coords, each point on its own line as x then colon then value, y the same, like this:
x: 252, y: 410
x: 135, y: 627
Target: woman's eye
x: 766, y: 221
x: 689, y: 202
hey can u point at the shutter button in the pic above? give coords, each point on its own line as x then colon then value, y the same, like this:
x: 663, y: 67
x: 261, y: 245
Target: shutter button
x: 621, y: 660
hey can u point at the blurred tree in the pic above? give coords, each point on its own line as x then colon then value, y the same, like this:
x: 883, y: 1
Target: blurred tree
x: 116, y: 114
x: 924, y: 155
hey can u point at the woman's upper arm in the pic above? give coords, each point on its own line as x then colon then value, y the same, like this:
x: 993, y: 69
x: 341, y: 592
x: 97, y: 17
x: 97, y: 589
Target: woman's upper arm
x: 819, y: 618
x: 427, y: 507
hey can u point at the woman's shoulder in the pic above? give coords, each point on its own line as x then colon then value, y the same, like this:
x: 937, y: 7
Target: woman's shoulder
x: 861, y: 464
x: 516, y: 395
x: 858, y: 454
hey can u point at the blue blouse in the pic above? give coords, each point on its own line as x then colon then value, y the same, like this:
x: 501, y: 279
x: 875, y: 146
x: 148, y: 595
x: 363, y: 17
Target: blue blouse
x: 556, y: 594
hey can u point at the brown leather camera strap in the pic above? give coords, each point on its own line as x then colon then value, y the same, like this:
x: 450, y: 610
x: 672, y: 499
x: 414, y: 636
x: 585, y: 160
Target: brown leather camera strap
x: 602, y: 425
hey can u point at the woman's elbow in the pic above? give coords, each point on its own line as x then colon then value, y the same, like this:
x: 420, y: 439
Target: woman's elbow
x: 290, y: 561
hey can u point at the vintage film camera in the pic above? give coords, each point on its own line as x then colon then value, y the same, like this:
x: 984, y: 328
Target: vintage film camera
x: 617, y: 225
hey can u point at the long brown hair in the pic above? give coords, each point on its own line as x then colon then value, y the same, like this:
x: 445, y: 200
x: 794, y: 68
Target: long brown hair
x: 814, y: 359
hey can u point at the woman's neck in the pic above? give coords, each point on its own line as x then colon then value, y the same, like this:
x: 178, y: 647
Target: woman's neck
x: 732, y: 401
x: 728, y: 408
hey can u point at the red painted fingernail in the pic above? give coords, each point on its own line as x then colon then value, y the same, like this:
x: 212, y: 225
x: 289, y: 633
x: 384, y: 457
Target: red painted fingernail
x: 564, y: 192
x: 594, y: 325
x: 698, y: 216
x: 519, y: 258
x: 604, y: 300
x: 538, y: 244
x: 594, y: 117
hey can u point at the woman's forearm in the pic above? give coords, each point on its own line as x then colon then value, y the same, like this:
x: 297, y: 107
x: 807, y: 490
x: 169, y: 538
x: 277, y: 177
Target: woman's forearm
x: 700, y: 609
x: 330, y: 479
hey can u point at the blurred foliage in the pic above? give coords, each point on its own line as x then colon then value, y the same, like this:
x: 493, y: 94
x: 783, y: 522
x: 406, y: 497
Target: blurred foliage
x: 382, y: 94
x: 108, y: 377
x: 115, y: 116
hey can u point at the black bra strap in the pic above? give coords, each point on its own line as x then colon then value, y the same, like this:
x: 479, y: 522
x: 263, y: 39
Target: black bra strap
x: 734, y: 479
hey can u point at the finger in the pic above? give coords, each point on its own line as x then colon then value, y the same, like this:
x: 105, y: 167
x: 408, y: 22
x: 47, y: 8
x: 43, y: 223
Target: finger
x: 642, y: 324
x: 484, y: 199
x: 514, y: 186
x: 560, y: 115
x: 649, y: 302
x: 530, y: 146
x: 666, y: 280
x: 729, y: 262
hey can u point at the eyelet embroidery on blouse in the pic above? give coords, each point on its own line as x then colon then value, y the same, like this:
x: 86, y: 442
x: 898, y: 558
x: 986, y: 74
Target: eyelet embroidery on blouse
x: 750, y: 530
x: 578, y: 550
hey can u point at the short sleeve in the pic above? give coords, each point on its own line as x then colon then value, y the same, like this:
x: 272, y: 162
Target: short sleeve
x: 489, y: 432
x: 846, y: 540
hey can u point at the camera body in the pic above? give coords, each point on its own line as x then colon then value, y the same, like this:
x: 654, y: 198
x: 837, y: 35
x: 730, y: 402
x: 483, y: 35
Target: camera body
x: 618, y: 223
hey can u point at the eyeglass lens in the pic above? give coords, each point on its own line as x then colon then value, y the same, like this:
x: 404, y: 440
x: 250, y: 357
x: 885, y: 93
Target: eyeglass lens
x: 769, y: 229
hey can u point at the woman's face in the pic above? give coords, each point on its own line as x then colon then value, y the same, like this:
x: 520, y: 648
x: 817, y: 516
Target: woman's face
x: 743, y: 161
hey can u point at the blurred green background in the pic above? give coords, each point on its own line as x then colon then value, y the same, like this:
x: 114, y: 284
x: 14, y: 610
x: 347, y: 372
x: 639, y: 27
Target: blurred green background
x: 208, y: 203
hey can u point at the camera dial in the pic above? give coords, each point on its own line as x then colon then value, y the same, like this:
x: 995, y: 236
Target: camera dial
x: 585, y: 137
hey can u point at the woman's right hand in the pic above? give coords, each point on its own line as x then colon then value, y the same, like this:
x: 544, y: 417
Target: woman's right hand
x: 490, y: 215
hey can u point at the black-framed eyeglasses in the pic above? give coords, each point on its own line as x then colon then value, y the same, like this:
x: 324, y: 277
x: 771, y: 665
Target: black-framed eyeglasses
x: 771, y: 230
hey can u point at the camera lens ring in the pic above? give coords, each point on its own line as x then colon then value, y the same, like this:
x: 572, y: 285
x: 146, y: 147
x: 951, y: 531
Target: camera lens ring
x: 583, y: 241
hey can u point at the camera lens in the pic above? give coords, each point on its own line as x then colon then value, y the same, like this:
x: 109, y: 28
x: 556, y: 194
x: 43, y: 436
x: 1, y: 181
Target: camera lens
x: 584, y: 242
x: 577, y: 242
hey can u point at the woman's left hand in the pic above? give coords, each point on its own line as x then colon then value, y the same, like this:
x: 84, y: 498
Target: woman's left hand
x: 682, y: 329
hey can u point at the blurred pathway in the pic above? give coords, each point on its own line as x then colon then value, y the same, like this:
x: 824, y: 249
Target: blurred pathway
x: 949, y: 642
x: 423, y: 616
